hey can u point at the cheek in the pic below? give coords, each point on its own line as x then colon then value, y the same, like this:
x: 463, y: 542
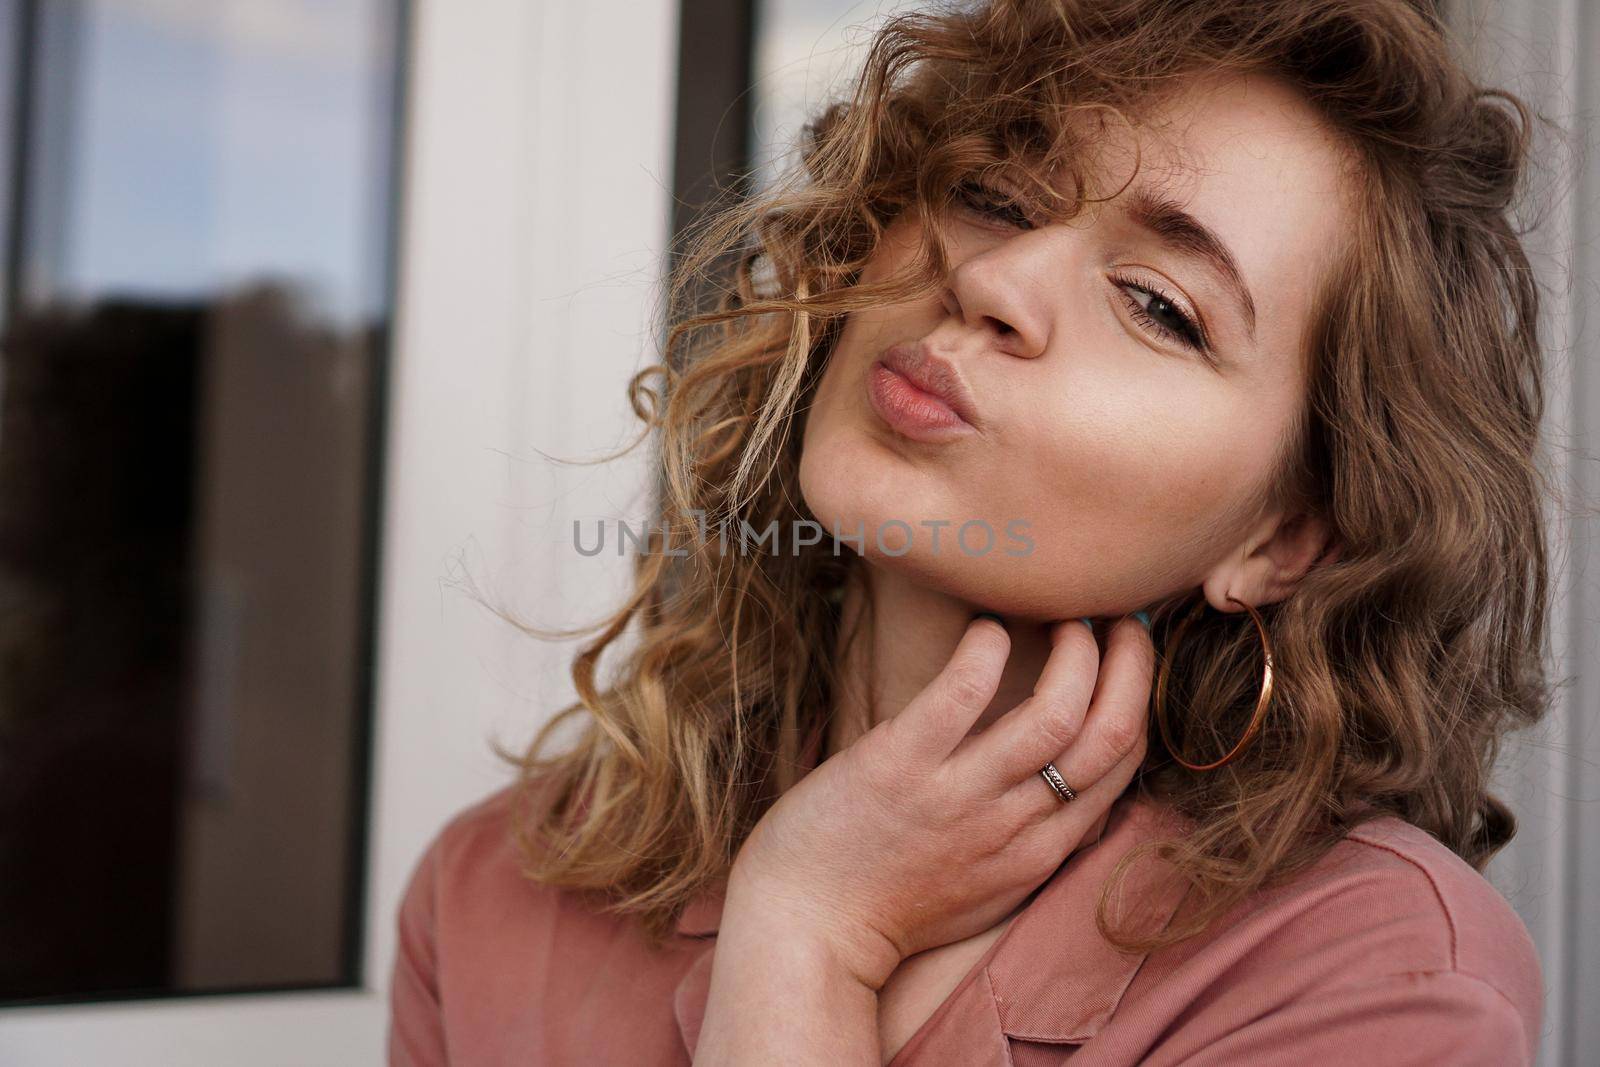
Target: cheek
x: 1127, y: 499
x: 1089, y: 515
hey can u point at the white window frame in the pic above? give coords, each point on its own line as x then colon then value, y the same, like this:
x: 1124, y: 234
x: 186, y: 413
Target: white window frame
x: 534, y: 221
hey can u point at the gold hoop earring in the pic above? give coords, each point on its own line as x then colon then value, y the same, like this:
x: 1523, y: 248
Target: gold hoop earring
x: 1261, y: 702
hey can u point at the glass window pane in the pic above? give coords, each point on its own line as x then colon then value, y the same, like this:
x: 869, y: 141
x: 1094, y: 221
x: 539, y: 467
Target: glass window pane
x: 189, y: 397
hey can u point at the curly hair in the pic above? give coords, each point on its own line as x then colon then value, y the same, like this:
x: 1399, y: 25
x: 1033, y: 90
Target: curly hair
x: 1401, y: 662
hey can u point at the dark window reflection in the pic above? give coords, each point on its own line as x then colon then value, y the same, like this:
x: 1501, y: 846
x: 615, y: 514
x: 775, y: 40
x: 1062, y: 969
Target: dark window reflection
x: 197, y: 199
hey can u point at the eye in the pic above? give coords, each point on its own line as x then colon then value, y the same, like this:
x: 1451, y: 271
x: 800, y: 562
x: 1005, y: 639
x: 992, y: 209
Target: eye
x: 992, y: 203
x: 1159, y: 312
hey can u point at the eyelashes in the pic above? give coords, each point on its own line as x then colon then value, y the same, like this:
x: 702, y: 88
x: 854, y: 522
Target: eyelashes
x: 1160, y: 313
x: 993, y: 203
x: 1184, y: 331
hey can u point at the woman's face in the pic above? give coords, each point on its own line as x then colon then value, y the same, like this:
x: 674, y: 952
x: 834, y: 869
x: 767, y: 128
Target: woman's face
x: 1129, y: 393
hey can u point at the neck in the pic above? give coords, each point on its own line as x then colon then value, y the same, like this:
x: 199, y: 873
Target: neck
x: 888, y: 655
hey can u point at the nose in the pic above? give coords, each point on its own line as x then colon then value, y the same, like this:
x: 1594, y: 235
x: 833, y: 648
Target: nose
x: 990, y: 293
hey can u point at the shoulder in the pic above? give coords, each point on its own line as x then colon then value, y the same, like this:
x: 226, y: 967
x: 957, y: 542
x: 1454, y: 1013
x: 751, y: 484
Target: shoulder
x: 469, y: 885
x: 475, y: 851
x: 483, y: 826
x: 494, y: 965
x: 1388, y: 938
x: 469, y: 902
x: 471, y: 845
x: 1472, y: 929
x: 1437, y: 912
x: 1392, y: 921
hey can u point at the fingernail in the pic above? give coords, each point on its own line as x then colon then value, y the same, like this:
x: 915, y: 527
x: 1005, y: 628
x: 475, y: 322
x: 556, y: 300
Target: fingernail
x: 1143, y: 617
x: 1085, y: 620
x: 990, y: 615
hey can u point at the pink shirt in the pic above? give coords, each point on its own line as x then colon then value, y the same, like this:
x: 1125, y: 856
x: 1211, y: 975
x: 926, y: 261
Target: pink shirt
x: 1390, y: 950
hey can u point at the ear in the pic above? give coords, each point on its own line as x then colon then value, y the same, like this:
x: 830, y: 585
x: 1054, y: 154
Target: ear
x: 1269, y: 564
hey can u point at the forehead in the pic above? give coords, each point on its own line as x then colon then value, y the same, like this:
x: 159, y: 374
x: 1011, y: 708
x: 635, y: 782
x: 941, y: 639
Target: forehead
x: 1253, y: 161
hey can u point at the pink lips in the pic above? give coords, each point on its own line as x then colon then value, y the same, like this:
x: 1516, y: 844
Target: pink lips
x: 920, y: 395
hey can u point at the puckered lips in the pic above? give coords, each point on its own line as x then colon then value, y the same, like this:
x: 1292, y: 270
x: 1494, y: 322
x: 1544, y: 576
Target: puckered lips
x: 921, y: 395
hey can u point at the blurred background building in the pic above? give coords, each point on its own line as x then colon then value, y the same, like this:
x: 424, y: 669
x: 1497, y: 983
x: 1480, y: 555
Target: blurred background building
x: 297, y: 297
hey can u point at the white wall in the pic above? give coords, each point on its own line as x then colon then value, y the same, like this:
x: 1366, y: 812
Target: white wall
x: 536, y: 220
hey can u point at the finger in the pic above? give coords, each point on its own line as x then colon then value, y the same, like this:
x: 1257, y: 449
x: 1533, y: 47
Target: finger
x: 946, y: 710
x: 1070, y: 826
x: 1118, y: 716
x: 1018, y: 743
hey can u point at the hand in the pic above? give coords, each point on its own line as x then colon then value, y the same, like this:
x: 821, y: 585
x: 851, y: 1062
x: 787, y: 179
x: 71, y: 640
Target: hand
x: 918, y: 834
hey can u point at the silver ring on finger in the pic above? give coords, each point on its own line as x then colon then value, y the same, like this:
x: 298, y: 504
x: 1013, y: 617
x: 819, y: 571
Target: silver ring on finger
x: 1058, y: 783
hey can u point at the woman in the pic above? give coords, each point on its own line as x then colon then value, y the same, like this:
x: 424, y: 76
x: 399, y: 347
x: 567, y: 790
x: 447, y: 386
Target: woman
x: 1203, y: 323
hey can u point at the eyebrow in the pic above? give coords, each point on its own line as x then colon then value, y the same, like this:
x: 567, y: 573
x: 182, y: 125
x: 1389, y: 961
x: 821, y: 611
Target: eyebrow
x: 1188, y: 236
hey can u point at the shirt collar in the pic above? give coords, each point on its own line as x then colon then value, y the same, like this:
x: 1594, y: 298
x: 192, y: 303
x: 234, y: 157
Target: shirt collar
x: 1068, y: 997
x: 1037, y: 995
